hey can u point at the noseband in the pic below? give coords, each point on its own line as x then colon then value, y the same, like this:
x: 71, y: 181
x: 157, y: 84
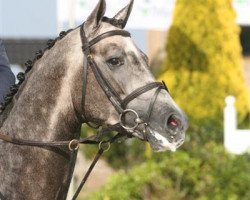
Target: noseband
x: 119, y: 104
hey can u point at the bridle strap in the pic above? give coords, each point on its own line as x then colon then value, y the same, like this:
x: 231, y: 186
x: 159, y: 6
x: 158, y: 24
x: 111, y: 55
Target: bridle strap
x: 105, y: 35
x: 106, y: 87
x: 84, y: 78
x: 94, y: 139
x: 152, y: 103
x: 140, y: 91
x: 110, y: 92
x: 92, y: 165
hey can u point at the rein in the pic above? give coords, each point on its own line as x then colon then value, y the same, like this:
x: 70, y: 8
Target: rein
x: 73, y: 146
x: 123, y: 130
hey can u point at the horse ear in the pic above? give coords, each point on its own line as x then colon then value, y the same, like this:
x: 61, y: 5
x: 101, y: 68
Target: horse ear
x: 94, y: 19
x: 123, y: 14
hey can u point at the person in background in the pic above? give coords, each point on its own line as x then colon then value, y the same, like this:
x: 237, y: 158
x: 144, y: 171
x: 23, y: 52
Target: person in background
x: 7, y: 78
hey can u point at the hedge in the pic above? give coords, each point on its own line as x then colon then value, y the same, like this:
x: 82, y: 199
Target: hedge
x: 201, y: 174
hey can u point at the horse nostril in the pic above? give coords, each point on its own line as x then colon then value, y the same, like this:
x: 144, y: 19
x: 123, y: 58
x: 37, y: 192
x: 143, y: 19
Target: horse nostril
x: 173, y: 122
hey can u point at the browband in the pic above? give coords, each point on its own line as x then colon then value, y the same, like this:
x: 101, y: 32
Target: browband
x: 105, y: 35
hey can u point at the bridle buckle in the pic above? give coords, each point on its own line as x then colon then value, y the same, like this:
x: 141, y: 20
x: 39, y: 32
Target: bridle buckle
x: 137, y: 120
x: 105, y: 146
x: 73, y: 145
x: 89, y: 57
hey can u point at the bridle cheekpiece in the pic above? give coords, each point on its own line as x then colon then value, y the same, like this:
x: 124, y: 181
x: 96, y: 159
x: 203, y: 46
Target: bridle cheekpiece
x: 121, y: 106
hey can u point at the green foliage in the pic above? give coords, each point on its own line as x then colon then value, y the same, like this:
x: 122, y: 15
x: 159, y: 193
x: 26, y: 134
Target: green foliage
x: 203, y: 63
x: 202, y: 173
x: 123, y: 154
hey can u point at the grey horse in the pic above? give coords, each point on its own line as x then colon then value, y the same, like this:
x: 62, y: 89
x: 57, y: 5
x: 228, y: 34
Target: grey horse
x: 47, y: 107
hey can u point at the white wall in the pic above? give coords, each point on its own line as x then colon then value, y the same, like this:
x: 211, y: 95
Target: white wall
x: 236, y: 141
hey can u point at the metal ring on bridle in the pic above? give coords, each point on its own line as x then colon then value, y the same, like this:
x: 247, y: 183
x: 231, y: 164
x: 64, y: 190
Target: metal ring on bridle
x: 89, y: 56
x: 137, y: 119
x: 73, y: 145
x: 105, y: 146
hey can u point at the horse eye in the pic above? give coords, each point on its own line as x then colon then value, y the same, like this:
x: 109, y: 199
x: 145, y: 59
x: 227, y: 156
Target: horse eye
x: 115, y: 62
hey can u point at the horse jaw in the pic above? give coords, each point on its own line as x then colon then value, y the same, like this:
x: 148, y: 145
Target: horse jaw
x: 159, y: 143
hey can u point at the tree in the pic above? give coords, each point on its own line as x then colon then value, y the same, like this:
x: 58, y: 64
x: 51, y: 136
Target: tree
x: 203, y: 62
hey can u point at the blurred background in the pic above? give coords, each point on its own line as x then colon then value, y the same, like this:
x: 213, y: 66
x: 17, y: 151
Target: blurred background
x: 201, y: 49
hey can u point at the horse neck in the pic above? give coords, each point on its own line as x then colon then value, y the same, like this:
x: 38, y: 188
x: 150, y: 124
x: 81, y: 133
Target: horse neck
x: 43, y: 110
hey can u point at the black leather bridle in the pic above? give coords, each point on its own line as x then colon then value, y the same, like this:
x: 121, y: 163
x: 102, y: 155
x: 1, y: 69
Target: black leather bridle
x: 120, y: 105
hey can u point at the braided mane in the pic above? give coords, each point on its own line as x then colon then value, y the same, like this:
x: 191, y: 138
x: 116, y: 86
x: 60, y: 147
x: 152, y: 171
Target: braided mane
x: 29, y: 64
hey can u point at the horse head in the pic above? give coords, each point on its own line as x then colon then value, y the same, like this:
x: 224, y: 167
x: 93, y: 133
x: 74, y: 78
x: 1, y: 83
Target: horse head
x: 148, y: 111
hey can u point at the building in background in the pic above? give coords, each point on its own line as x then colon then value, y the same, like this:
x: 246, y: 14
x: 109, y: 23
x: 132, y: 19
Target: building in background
x: 242, y: 8
x: 148, y: 21
x: 26, y: 25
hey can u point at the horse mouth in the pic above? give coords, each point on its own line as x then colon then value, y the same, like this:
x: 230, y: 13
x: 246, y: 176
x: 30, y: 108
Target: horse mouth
x: 162, y: 142
x: 161, y: 148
